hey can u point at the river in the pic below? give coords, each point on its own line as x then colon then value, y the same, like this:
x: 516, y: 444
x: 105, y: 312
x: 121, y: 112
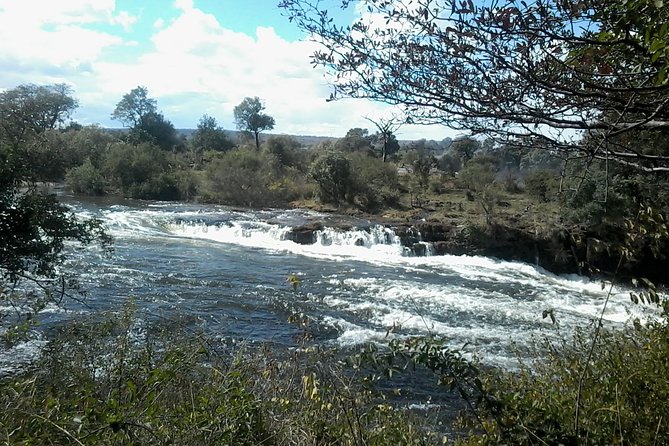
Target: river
x: 224, y: 271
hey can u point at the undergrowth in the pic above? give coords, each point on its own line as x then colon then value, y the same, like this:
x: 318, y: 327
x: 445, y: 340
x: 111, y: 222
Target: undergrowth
x: 112, y: 382
x: 119, y: 381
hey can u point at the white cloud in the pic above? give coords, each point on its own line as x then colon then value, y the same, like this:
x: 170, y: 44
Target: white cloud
x: 194, y: 66
x: 57, y: 12
x: 124, y: 19
x: 184, y: 5
x: 50, y: 34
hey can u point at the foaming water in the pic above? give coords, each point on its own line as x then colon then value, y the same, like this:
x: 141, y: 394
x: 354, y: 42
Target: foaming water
x: 226, y: 271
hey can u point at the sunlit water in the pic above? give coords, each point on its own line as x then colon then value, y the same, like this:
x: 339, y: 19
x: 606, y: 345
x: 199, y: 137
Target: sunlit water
x: 225, y: 271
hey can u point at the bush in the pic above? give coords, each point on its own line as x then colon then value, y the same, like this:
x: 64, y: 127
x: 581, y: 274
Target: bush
x: 542, y: 184
x: 374, y: 184
x: 332, y: 173
x: 159, y: 386
x: 287, y: 151
x: 128, y: 166
x: 248, y: 177
x: 479, y: 180
x: 85, y: 179
x: 163, y: 186
x: 623, y: 398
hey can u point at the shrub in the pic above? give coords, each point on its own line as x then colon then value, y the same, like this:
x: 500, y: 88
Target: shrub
x: 247, y: 177
x: 623, y: 397
x: 159, y: 386
x: 374, y: 184
x: 479, y: 180
x: 128, y: 166
x: 541, y: 185
x: 332, y: 173
x: 287, y: 151
x: 85, y: 179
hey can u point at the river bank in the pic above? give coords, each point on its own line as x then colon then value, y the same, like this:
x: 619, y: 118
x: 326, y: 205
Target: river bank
x: 524, y: 232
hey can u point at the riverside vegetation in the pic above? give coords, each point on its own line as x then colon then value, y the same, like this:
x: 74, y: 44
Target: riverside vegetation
x: 600, y: 202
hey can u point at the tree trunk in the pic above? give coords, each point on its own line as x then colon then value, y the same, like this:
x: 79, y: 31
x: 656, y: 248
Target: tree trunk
x: 257, y: 140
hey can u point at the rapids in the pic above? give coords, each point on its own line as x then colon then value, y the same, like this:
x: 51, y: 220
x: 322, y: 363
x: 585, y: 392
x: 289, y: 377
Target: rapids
x: 225, y: 271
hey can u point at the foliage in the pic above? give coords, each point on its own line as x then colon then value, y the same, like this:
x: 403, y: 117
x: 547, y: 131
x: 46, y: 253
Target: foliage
x: 34, y: 228
x: 160, y: 386
x: 249, y: 117
x: 385, y: 136
x: 145, y: 171
x: 421, y: 165
x: 210, y: 136
x: 28, y: 110
x: 155, y: 129
x: 332, y: 173
x: 134, y: 107
x: 624, y: 396
x: 542, y: 185
x: 139, y: 112
x: 86, y: 143
x: 355, y: 140
x: 129, y: 165
x: 287, y: 150
x: 479, y: 179
x: 374, y: 184
x: 251, y: 178
x: 86, y: 179
x: 449, y: 164
x: 530, y: 74
x: 465, y: 148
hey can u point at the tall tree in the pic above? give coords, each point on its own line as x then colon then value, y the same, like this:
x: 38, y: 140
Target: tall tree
x: 386, y: 135
x: 249, y: 117
x: 139, y: 112
x: 134, y: 107
x: 210, y: 136
x: 31, y: 109
x: 530, y: 74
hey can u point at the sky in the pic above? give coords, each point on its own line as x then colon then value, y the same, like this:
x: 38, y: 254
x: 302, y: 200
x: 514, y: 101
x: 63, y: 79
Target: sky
x: 195, y: 57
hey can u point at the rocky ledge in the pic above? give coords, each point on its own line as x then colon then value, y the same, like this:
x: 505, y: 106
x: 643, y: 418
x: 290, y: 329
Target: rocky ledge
x: 560, y: 250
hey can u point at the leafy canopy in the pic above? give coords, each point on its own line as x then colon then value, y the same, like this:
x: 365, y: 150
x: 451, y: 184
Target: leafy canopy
x: 249, y: 117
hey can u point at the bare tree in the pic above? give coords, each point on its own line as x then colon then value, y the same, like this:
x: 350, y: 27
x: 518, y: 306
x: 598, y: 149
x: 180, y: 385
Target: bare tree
x: 386, y: 134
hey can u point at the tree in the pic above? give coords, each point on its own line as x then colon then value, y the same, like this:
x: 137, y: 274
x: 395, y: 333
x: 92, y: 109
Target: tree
x: 465, y: 148
x: 386, y: 135
x: 139, y: 112
x: 155, y: 129
x: 478, y: 177
x: 287, y: 149
x: 250, y: 118
x: 210, y: 136
x: 29, y: 109
x: 134, y: 107
x: 530, y: 74
x: 356, y: 140
x: 332, y: 173
x: 34, y: 227
x: 421, y: 164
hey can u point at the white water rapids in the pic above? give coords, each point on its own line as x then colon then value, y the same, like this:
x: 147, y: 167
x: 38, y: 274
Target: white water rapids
x: 226, y: 270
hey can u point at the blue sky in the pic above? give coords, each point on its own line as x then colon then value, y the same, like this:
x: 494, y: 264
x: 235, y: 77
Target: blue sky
x: 194, y: 56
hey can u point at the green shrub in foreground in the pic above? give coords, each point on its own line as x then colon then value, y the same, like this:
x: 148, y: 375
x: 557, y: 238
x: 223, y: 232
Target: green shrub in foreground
x: 623, y: 398
x: 110, y: 383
